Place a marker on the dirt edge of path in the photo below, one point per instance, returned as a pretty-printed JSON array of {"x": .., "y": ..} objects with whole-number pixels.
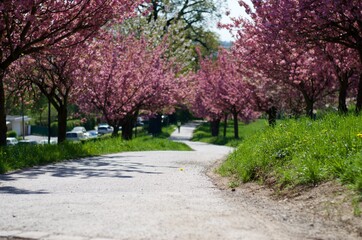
[{"x": 324, "y": 211}]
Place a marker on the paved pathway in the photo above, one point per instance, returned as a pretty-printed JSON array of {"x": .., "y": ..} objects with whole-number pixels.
[{"x": 133, "y": 195}]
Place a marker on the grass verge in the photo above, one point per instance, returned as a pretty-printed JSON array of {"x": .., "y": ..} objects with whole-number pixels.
[
  {"x": 20, "y": 157},
  {"x": 301, "y": 152},
  {"x": 203, "y": 133}
]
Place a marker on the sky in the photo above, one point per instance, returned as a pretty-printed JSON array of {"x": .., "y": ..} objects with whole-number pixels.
[{"x": 235, "y": 10}]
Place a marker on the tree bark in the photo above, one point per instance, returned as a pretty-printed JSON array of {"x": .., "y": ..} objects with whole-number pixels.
[
  {"x": 359, "y": 96},
  {"x": 3, "y": 128},
  {"x": 155, "y": 125},
  {"x": 272, "y": 116},
  {"x": 236, "y": 125},
  {"x": 309, "y": 109},
  {"x": 309, "y": 105},
  {"x": 127, "y": 129},
  {"x": 225, "y": 124},
  {"x": 342, "y": 94},
  {"x": 62, "y": 122},
  {"x": 115, "y": 131},
  {"x": 49, "y": 122},
  {"x": 215, "y": 126},
  {"x": 359, "y": 93}
]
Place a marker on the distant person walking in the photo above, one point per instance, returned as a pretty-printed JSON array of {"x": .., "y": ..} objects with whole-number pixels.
[{"x": 178, "y": 126}]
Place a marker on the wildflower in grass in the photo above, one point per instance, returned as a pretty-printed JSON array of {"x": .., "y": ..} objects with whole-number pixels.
[{"x": 359, "y": 135}]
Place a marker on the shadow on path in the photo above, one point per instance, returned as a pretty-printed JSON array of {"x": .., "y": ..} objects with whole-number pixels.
[
  {"x": 122, "y": 166},
  {"x": 13, "y": 190},
  {"x": 95, "y": 167}
]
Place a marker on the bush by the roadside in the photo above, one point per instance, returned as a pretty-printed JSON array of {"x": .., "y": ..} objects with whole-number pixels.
[
  {"x": 11, "y": 134},
  {"x": 301, "y": 152},
  {"x": 19, "y": 157}
]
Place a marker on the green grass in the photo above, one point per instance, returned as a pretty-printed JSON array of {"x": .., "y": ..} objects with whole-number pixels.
[
  {"x": 301, "y": 152},
  {"x": 203, "y": 133},
  {"x": 20, "y": 157}
]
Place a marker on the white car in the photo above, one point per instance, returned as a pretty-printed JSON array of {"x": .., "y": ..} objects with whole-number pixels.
[
  {"x": 83, "y": 130},
  {"x": 92, "y": 134},
  {"x": 79, "y": 129},
  {"x": 45, "y": 141},
  {"x": 103, "y": 129},
  {"x": 74, "y": 136},
  {"x": 11, "y": 141}
]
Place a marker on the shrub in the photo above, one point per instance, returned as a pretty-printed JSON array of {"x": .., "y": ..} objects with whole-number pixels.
[
  {"x": 11, "y": 134},
  {"x": 70, "y": 125}
]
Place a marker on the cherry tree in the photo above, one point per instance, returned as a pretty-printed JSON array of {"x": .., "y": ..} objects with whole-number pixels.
[
  {"x": 32, "y": 26},
  {"x": 201, "y": 99},
  {"x": 54, "y": 74},
  {"x": 249, "y": 50},
  {"x": 307, "y": 71},
  {"x": 346, "y": 67},
  {"x": 284, "y": 59},
  {"x": 336, "y": 23},
  {"x": 125, "y": 75},
  {"x": 225, "y": 90}
]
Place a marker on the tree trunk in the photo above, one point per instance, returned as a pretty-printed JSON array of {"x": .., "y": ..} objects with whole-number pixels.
[
  {"x": 309, "y": 109},
  {"x": 359, "y": 95},
  {"x": 236, "y": 125},
  {"x": 115, "y": 131},
  {"x": 3, "y": 128},
  {"x": 225, "y": 124},
  {"x": 62, "y": 122},
  {"x": 342, "y": 95},
  {"x": 215, "y": 126},
  {"x": 49, "y": 123},
  {"x": 309, "y": 105},
  {"x": 127, "y": 129},
  {"x": 272, "y": 116},
  {"x": 155, "y": 125}
]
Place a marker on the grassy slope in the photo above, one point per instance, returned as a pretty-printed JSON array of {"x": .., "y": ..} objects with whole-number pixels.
[
  {"x": 19, "y": 157},
  {"x": 301, "y": 152},
  {"x": 202, "y": 133}
]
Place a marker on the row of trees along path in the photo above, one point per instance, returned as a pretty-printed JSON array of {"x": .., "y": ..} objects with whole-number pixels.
[
  {"x": 304, "y": 49},
  {"x": 28, "y": 27},
  {"x": 92, "y": 52},
  {"x": 291, "y": 56}
]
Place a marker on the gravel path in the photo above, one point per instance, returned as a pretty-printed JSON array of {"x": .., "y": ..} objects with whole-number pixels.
[{"x": 133, "y": 195}]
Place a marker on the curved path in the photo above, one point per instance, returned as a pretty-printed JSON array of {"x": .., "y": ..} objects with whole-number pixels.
[{"x": 132, "y": 195}]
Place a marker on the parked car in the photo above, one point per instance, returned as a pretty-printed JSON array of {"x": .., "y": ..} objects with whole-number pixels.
[
  {"x": 11, "y": 141},
  {"x": 79, "y": 129},
  {"x": 139, "y": 122},
  {"x": 104, "y": 128},
  {"x": 27, "y": 142},
  {"x": 45, "y": 141},
  {"x": 92, "y": 134},
  {"x": 74, "y": 136}
]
